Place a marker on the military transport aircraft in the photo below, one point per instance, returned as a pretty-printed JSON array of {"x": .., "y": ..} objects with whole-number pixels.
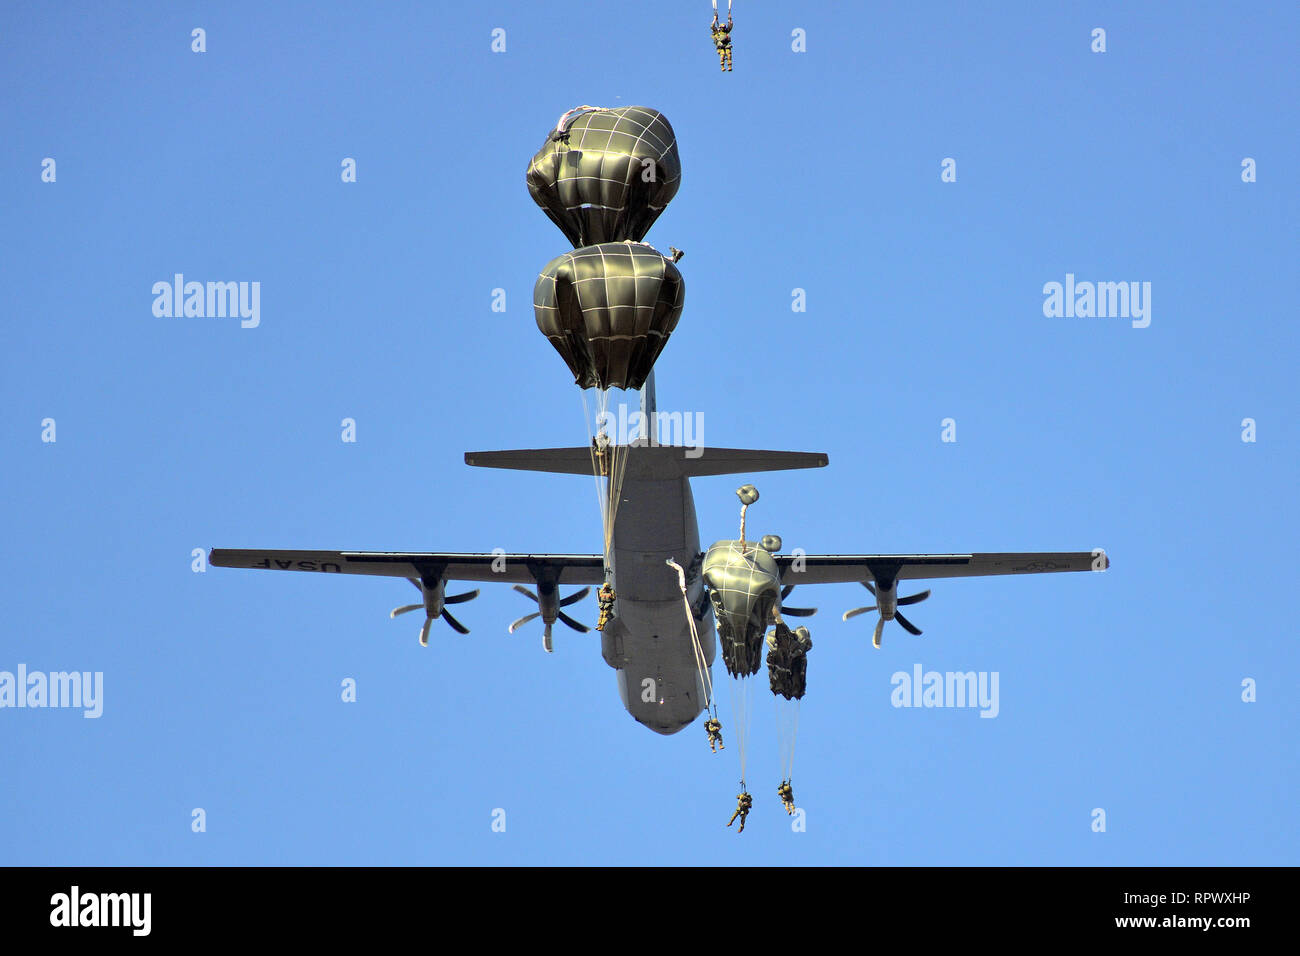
[{"x": 649, "y": 635}]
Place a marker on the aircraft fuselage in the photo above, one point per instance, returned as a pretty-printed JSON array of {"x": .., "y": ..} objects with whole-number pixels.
[{"x": 648, "y": 641}]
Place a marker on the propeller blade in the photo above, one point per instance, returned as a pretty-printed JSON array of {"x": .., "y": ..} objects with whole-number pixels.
[
  {"x": 418, "y": 586},
  {"x": 461, "y": 598},
  {"x": 456, "y": 626},
  {"x": 575, "y": 597},
  {"x": 798, "y": 611},
  {"x": 785, "y": 591},
  {"x": 880, "y": 626},
  {"x": 856, "y": 611},
  {"x": 424, "y": 632},
  {"x": 523, "y": 620},
  {"x": 404, "y": 609},
  {"x": 908, "y": 625},
  {"x": 582, "y": 628},
  {"x": 914, "y": 599},
  {"x": 868, "y": 586},
  {"x": 546, "y": 637}
]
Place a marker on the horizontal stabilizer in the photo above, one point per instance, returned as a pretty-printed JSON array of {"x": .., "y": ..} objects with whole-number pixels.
[{"x": 650, "y": 461}]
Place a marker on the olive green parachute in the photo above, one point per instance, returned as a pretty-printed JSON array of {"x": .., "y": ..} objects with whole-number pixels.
[
  {"x": 608, "y": 310},
  {"x": 605, "y": 175},
  {"x": 787, "y": 660},
  {"x": 744, "y": 586}
]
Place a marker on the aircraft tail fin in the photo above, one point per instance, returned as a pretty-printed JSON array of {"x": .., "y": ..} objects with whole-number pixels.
[{"x": 651, "y": 461}]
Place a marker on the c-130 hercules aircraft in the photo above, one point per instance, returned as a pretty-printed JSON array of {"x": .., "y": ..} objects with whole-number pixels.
[
  {"x": 649, "y": 634},
  {"x": 608, "y": 307}
]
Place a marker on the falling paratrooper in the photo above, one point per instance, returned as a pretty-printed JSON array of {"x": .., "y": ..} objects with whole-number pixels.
[{"x": 721, "y": 34}]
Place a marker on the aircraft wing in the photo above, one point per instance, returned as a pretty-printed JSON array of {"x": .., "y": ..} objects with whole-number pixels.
[
  {"x": 847, "y": 568},
  {"x": 506, "y": 568}
]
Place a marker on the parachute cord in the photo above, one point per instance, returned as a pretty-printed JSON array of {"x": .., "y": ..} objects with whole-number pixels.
[
  {"x": 608, "y": 491},
  {"x": 740, "y": 734},
  {"x": 780, "y": 734},
  {"x": 794, "y": 738},
  {"x": 740, "y": 712},
  {"x": 611, "y": 450},
  {"x": 787, "y": 723},
  {"x": 595, "y": 470},
  {"x": 618, "y": 467},
  {"x": 748, "y": 716},
  {"x": 701, "y": 664},
  {"x": 616, "y": 462}
]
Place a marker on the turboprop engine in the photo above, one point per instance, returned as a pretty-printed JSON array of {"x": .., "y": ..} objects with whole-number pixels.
[{"x": 434, "y": 593}]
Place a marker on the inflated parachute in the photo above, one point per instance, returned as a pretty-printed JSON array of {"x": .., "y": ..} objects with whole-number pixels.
[
  {"x": 744, "y": 586},
  {"x": 605, "y": 175},
  {"x": 608, "y": 310}
]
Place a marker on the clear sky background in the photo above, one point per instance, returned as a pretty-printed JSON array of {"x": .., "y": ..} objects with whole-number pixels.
[{"x": 817, "y": 170}]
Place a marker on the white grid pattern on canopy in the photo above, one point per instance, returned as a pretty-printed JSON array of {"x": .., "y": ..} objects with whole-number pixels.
[
  {"x": 741, "y": 578},
  {"x": 590, "y": 177},
  {"x": 609, "y": 310}
]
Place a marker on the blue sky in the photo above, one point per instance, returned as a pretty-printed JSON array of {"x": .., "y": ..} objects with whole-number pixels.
[{"x": 817, "y": 170}]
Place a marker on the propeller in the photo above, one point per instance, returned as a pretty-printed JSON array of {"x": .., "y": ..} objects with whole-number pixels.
[
  {"x": 794, "y": 611},
  {"x": 888, "y": 606},
  {"x": 548, "y": 609},
  {"x": 434, "y": 605}
]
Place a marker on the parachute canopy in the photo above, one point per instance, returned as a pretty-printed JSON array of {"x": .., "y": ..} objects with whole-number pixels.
[
  {"x": 605, "y": 175},
  {"x": 787, "y": 660},
  {"x": 608, "y": 310},
  {"x": 744, "y": 586}
]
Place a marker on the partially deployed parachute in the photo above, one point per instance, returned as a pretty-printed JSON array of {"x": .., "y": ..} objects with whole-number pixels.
[
  {"x": 744, "y": 586},
  {"x": 608, "y": 310},
  {"x": 787, "y": 660},
  {"x": 605, "y": 175}
]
